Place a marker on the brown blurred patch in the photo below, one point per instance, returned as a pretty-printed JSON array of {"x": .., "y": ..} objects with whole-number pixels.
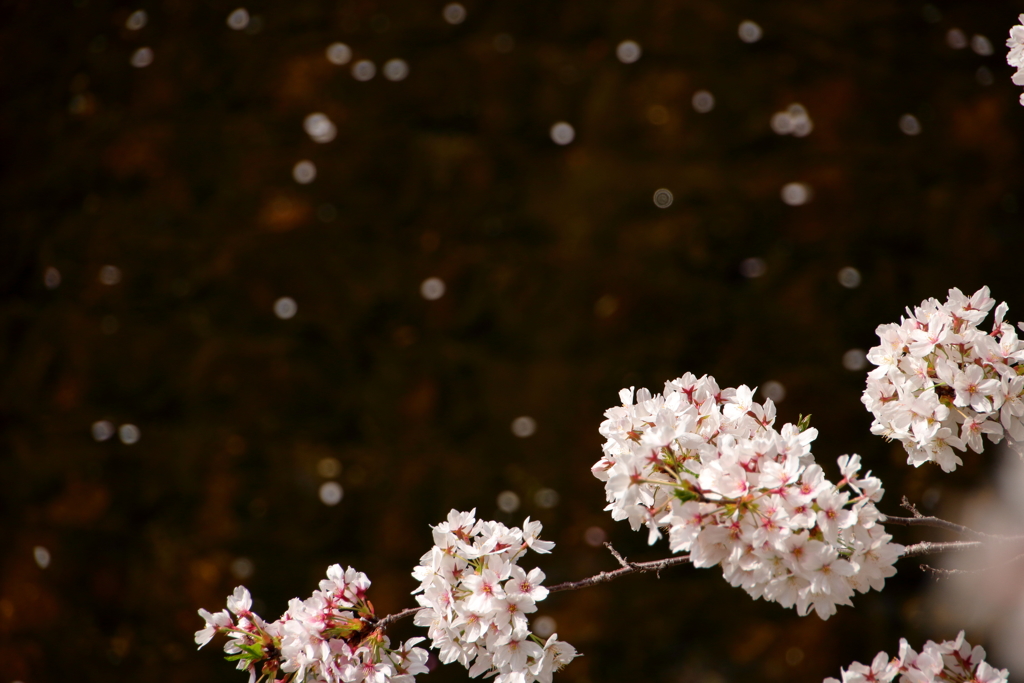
[
  {"x": 419, "y": 402},
  {"x": 282, "y": 212},
  {"x": 980, "y": 124},
  {"x": 81, "y": 504},
  {"x": 138, "y": 151},
  {"x": 449, "y": 154},
  {"x": 28, "y": 602},
  {"x": 302, "y": 79},
  {"x": 216, "y": 519},
  {"x": 753, "y": 641},
  {"x": 107, "y": 582}
]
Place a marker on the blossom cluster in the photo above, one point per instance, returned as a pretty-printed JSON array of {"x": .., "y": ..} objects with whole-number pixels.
[
  {"x": 943, "y": 384},
  {"x": 708, "y": 464},
  {"x": 951, "y": 660},
  {"x": 327, "y": 638},
  {"x": 1016, "y": 55},
  {"x": 475, "y": 599}
]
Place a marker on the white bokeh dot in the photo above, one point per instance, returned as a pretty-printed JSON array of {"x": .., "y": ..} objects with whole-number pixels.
[
  {"x": 562, "y": 133},
  {"x": 663, "y": 198},
  {"x": 594, "y": 536},
  {"x": 331, "y": 493},
  {"x": 454, "y": 13},
  {"x": 136, "y": 20},
  {"x": 544, "y": 626},
  {"x": 304, "y": 172},
  {"x": 703, "y": 101},
  {"x": 546, "y": 498},
  {"x": 628, "y": 51},
  {"x": 774, "y": 390},
  {"x": 855, "y": 359},
  {"x": 142, "y": 58},
  {"x": 753, "y": 267},
  {"x": 956, "y": 39},
  {"x": 794, "y": 121},
  {"x": 508, "y": 501},
  {"x": 319, "y": 127},
  {"x": 110, "y": 275},
  {"x": 750, "y": 31},
  {"x": 51, "y": 278},
  {"x": 285, "y": 308},
  {"x": 396, "y": 69},
  {"x": 129, "y": 434},
  {"x": 796, "y": 194},
  {"x": 802, "y": 127},
  {"x": 524, "y": 426},
  {"x": 432, "y": 288},
  {"x": 781, "y": 123},
  {"x": 981, "y": 45},
  {"x": 42, "y": 556},
  {"x": 364, "y": 70},
  {"x": 909, "y": 125},
  {"x": 339, "y": 54},
  {"x": 102, "y": 430},
  {"x": 238, "y": 19},
  {"x": 242, "y": 568},
  {"x": 849, "y": 277}
]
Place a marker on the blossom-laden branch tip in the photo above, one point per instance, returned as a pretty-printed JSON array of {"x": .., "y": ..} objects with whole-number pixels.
[
  {"x": 1016, "y": 55},
  {"x": 924, "y": 520},
  {"x": 327, "y": 638},
  {"x": 475, "y": 599},
  {"x": 708, "y": 465},
  {"x": 943, "y": 385},
  {"x": 625, "y": 569},
  {"x": 952, "y": 661}
]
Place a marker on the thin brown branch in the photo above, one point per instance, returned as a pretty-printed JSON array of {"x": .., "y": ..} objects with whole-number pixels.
[
  {"x": 907, "y": 505},
  {"x": 615, "y": 553},
  {"x": 383, "y": 623},
  {"x": 626, "y": 569},
  {"x": 929, "y": 548},
  {"x": 946, "y": 573},
  {"x": 921, "y": 520}
]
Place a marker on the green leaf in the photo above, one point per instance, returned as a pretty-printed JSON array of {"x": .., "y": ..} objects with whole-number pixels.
[
  {"x": 254, "y": 650},
  {"x": 685, "y": 495}
]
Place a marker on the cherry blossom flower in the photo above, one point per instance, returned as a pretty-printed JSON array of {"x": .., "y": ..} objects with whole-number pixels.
[
  {"x": 322, "y": 639},
  {"x": 708, "y": 465},
  {"x": 943, "y": 385},
  {"x": 1016, "y": 55},
  {"x": 475, "y": 610},
  {"x": 951, "y": 660}
]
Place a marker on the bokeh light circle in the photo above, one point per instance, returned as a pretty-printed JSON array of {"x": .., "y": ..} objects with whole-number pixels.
[
  {"x": 562, "y": 133},
  {"x": 628, "y": 51},
  {"x": 663, "y": 198}
]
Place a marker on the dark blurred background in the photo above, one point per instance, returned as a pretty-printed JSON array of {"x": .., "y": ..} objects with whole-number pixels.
[{"x": 224, "y": 366}]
